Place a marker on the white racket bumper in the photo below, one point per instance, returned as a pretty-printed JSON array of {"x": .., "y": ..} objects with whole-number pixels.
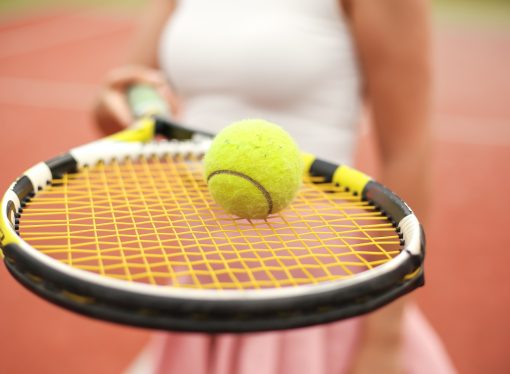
[
  {"x": 411, "y": 231},
  {"x": 39, "y": 175}
]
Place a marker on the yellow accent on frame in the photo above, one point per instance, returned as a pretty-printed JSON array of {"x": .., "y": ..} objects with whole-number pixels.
[
  {"x": 351, "y": 178},
  {"x": 413, "y": 274},
  {"x": 142, "y": 131},
  {"x": 308, "y": 160},
  {"x": 7, "y": 236}
]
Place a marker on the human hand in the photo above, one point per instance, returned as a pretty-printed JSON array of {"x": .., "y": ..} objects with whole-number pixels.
[
  {"x": 380, "y": 343},
  {"x": 372, "y": 358},
  {"x": 112, "y": 112}
]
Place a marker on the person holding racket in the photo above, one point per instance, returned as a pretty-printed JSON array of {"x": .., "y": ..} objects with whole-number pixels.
[{"x": 309, "y": 66}]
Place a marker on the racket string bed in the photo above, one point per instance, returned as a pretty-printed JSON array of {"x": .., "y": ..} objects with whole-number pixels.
[
  {"x": 123, "y": 229},
  {"x": 151, "y": 220}
]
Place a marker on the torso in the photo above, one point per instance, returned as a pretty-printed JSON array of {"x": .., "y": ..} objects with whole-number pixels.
[{"x": 287, "y": 61}]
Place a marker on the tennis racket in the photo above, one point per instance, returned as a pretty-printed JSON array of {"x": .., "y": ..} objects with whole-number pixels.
[{"x": 123, "y": 229}]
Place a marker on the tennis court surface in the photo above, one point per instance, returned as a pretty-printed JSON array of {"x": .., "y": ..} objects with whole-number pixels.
[{"x": 50, "y": 67}]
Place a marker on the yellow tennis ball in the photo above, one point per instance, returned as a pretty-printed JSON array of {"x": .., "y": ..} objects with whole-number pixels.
[{"x": 253, "y": 168}]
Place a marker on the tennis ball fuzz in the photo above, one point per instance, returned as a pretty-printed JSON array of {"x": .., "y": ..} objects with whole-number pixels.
[{"x": 253, "y": 168}]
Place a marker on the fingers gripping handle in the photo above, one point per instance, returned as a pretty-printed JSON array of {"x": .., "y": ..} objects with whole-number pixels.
[{"x": 145, "y": 101}]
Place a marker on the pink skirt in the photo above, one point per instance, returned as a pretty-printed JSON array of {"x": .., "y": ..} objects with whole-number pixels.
[{"x": 319, "y": 350}]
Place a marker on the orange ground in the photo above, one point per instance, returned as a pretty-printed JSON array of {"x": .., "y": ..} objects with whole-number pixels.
[{"x": 50, "y": 66}]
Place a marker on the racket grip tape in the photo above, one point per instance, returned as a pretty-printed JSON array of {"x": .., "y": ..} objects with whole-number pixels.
[{"x": 144, "y": 100}]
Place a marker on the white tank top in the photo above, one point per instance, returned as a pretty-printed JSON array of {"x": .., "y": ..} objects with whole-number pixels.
[{"x": 291, "y": 62}]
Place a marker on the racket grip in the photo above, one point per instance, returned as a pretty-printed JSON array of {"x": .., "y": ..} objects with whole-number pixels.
[{"x": 144, "y": 100}]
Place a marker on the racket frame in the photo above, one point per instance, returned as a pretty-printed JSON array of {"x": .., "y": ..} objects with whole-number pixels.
[{"x": 196, "y": 309}]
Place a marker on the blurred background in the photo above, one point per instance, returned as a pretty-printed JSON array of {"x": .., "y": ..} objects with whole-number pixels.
[{"x": 55, "y": 53}]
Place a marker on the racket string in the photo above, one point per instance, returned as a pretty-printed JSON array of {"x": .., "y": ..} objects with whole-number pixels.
[{"x": 152, "y": 220}]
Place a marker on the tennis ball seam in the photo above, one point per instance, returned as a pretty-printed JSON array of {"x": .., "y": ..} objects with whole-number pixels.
[{"x": 259, "y": 186}]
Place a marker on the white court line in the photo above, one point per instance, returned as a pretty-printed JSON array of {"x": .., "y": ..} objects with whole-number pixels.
[
  {"x": 449, "y": 128},
  {"x": 47, "y": 94}
]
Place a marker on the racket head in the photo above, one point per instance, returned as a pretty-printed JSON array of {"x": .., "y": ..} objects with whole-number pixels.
[{"x": 236, "y": 305}]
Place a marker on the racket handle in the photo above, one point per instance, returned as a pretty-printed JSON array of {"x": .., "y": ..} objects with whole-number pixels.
[{"x": 144, "y": 100}]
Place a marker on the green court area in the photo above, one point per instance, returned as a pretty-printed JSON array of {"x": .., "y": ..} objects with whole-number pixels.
[
  {"x": 14, "y": 7},
  {"x": 496, "y": 12},
  {"x": 484, "y": 12}
]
